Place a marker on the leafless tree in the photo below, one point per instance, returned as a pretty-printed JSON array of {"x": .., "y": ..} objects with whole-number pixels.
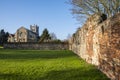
[
  {"x": 53, "y": 36},
  {"x": 88, "y": 7}
]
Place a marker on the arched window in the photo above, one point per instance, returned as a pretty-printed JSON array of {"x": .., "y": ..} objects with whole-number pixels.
[{"x": 20, "y": 34}]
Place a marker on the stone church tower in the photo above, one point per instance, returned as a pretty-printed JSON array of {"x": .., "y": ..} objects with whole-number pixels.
[{"x": 35, "y": 28}]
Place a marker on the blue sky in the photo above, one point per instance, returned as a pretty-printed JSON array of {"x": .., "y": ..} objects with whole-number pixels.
[{"x": 51, "y": 14}]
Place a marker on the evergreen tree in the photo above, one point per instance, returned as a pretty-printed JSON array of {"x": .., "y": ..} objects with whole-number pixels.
[
  {"x": 45, "y": 37},
  {"x": 3, "y": 37}
]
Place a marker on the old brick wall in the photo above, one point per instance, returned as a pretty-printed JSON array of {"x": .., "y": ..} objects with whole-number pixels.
[
  {"x": 98, "y": 43},
  {"x": 38, "y": 46}
]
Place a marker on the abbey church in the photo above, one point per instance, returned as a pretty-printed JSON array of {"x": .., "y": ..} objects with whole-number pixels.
[{"x": 25, "y": 35}]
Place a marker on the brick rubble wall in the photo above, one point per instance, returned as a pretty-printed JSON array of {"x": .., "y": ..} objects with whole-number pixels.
[{"x": 99, "y": 43}]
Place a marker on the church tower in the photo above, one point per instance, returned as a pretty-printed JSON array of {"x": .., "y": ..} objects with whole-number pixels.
[{"x": 35, "y": 29}]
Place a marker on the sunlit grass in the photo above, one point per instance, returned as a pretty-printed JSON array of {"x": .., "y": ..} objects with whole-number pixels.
[
  {"x": 45, "y": 65},
  {"x": 1, "y": 47}
]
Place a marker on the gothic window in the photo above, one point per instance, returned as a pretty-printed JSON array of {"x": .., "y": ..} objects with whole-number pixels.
[
  {"x": 20, "y": 34},
  {"x": 33, "y": 29}
]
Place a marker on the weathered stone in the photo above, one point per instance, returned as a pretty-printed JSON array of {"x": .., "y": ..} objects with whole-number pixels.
[
  {"x": 39, "y": 46},
  {"x": 99, "y": 44}
]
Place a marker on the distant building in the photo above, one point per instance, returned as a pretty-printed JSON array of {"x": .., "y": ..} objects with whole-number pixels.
[
  {"x": 25, "y": 35},
  {"x": 11, "y": 38}
]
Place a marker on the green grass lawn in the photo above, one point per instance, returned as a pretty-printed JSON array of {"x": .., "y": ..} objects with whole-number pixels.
[
  {"x": 1, "y": 47},
  {"x": 45, "y": 65}
]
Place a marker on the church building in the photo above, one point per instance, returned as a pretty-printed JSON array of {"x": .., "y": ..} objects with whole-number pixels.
[{"x": 25, "y": 35}]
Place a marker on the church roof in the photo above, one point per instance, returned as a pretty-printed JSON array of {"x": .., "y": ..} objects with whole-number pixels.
[{"x": 26, "y": 29}]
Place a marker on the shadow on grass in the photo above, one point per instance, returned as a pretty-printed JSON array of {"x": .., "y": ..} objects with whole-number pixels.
[
  {"x": 71, "y": 74},
  {"x": 10, "y": 76},
  {"x": 32, "y": 54},
  {"x": 75, "y": 74}
]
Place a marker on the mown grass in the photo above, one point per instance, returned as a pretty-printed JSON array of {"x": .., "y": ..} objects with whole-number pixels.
[
  {"x": 1, "y": 47},
  {"x": 45, "y": 65}
]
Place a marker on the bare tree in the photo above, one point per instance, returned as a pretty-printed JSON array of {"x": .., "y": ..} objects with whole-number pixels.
[
  {"x": 53, "y": 36},
  {"x": 88, "y": 7},
  {"x": 69, "y": 36}
]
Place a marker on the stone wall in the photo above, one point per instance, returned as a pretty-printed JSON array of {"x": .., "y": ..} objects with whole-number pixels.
[
  {"x": 38, "y": 46},
  {"x": 98, "y": 42}
]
